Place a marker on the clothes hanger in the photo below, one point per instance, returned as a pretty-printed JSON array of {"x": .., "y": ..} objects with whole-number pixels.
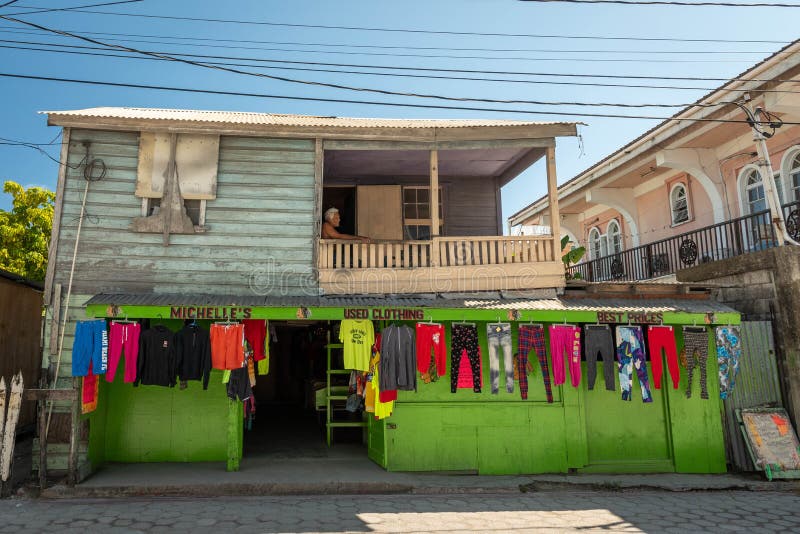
[
  {"x": 226, "y": 323},
  {"x": 124, "y": 321},
  {"x": 463, "y": 322}
]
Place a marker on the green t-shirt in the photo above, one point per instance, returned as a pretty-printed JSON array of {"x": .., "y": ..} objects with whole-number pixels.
[{"x": 358, "y": 337}]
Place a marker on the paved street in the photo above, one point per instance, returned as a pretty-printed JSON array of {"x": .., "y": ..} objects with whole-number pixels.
[{"x": 561, "y": 511}]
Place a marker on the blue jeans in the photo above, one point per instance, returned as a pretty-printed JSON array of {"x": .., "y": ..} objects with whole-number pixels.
[{"x": 499, "y": 335}]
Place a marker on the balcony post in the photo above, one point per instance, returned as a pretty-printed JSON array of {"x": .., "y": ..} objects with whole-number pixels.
[
  {"x": 552, "y": 192},
  {"x": 434, "y": 207}
]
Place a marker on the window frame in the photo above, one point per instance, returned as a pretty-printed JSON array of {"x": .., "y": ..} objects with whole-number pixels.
[
  {"x": 672, "y": 201},
  {"x": 609, "y": 236},
  {"x": 745, "y": 188},
  {"x": 421, "y": 222},
  {"x": 790, "y": 172},
  {"x": 598, "y": 239}
]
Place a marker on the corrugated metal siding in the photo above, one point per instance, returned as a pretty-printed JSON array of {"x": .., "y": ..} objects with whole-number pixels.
[
  {"x": 471, "y": 208},
  {"x": 756, "y": 385},
  {"x": 260, "y": 233}
]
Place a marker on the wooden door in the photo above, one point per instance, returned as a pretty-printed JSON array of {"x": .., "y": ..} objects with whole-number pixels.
[{"x": 380, "y": 211}]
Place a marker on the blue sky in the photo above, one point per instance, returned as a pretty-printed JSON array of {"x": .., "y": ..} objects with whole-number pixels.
[{"x": 21, "y": 99}]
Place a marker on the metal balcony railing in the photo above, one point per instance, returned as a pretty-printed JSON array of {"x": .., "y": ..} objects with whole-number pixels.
[{"x": 735, "y": 237}]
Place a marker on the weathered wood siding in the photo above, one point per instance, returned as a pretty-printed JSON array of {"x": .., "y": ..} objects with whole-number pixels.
[
  {"x": 20, "y": 331},
  {"x": 471, "y": 207},
  {"x": 260, "y": 234}
]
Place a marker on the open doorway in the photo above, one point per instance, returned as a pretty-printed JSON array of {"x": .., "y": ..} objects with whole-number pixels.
[
  {"x": 344, "y": 199},
  {"x": 290, "y": 417}
]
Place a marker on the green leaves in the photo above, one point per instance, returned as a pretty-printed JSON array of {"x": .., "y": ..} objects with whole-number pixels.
[
  {"x": 25, "y": 230},
  {"x": 571, "y": 256}
]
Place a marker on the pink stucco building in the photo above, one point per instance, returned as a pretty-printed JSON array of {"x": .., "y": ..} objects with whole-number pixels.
[{"x": 691, "y": 190}]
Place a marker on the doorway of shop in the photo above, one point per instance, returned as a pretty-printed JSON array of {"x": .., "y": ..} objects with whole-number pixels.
[{"x": 291, "y": 400}]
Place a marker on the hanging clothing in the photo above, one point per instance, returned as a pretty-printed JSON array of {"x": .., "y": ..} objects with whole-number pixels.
[
  {"x": 531, "y": 337},
  {"x": 90, "y": 389},
  {"x": 398, "y": 364},
  {"x": 430, "y": 337},
  {"x": 227, "y": 346},
  {"x": 239, "y": 385},
  {"x": 465, "y": 341},
  {"x": 156, "y": 362},
  {"x": 728, "y": 353},
  {"x": 522, "y": 366},
  {"x": 598, "y": 340},
  {"x": 465, "y": 376},
  {"x": 663, "y": 338},
  {"x": 630, "y": 354},
  {"x": 193, "y": 354},
  {"x": 381, "y": 409},
  {"x": 123, "y": 337},
  {"x": 565, "y": 339},
  {"x": 262, "y": 366},
  {"x": 90, "y": 345},
  {"x": 498, "y": 336},
  {"x": 255, "y": 332},
  {"x": 695, "y": 342},
  {"x": 357, "y": 337}
]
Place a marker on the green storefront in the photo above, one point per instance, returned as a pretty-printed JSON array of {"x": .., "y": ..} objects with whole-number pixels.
[{"x": 433, "y": 429}]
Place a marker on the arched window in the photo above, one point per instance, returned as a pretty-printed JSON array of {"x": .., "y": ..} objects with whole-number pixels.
[
  {"x": 753, "y": 199},
  {"x": 595, "y": 243},
  {"x": 679, "y": 204},
  {"x": 614, "y": 237},
  {"x": 792, "y": 173}
]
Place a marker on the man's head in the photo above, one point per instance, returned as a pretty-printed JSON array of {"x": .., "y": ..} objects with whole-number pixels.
[{"x": 332, "y": 216}]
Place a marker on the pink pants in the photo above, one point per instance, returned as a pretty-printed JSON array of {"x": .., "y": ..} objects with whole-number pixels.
[
  {"x": 123, "y": 336},
  {"x": 565, "y": 339}
]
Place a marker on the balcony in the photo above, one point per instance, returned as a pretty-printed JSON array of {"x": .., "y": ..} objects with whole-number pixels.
[
  {"x": 439, "y": 265},
  {"x": 742, "y": 235}
]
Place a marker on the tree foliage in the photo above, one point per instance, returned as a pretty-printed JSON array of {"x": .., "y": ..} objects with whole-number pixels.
[{"x": 25, "y": 230}]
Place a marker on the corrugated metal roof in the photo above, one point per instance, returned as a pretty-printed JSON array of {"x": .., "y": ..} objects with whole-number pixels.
[
  {"x": 273, "y": 119},
  {"x": 545, "y": 304}
]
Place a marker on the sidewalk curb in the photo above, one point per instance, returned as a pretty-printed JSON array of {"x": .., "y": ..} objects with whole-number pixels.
[{"x": 378, "y": 488}]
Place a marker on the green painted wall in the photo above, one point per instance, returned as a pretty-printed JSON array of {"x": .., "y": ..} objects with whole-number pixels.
[
  {"x": 161, "y": 424},
  {"x": 435, "y": 430}
]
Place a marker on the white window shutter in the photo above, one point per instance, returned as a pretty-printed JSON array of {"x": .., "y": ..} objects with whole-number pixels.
[{"x": 197, "y": 158}]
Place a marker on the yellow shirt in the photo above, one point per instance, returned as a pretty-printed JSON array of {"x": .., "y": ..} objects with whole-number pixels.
[{"x": 357, "y": 337}]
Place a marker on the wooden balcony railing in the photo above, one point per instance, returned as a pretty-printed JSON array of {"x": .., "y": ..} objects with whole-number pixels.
[
  {"x": 735, "y": 237},
  {"x": 442, "y": 264}
]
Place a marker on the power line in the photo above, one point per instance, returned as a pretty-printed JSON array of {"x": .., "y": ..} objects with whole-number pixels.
[
  {"x": 371, "y": 103},
  {"x": 51, "y": 9},
  {"x": 10, "y": 29},
  {"x": 430, "y": 32},
  {"x": 450, "y": 56},
  {"x": 428, "y": 69},
  {"x": 284, "y": 78},
  {"x": 662, "y": 3},
  {"x": 384, "y": 74}
]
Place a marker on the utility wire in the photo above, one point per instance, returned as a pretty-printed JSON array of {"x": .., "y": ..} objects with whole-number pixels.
[
  {"x": 293, "y": 80},
  {"x": 373, "y": 103},
  {"x": 392, "y": 75},
  {"x": 11, "y": 29},
  {"x": 428, "y": 69},
  {"x": 449, "y": 56},
  {"x": 51, "y": 9},
  {"x": 284, "y": 78},
  {"x": 661, "y": 3},
  {"x": 8, "y": 3},
  {"x": 430, "y": 32}
]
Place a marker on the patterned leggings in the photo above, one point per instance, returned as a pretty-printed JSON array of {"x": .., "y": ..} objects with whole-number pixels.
[
  {"x": 729, "y": 350},
  {"x": 695, "y": 341},
  {"x": 465, "y": 337},
  {"x": 531, "y": 337}
]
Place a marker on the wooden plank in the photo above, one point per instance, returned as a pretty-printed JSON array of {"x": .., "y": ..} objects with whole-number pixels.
[
  {"x": 72, "y": 468},
  {"x": 434, "y": 192},
  {"x": 319, "y": 160},
  {"x": 446, "y": 145},
  {"x": 424, "y": 255},
  {"x": 42, "y": 432},
  {"x": 373, "y": 255},
  {"x": 552, "y": 194},
  {"x": 55, "y": 317},
  {"x": 10, "y": 432},
  {"x": 49, "y": 394},
  {"x": 56, "y": 227},
  {"x": 380, "y": 211},
  {"x": 396, "y": 255}
]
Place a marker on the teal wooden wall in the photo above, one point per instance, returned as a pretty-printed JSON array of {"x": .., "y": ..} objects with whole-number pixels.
[{"x": 261, "y": 225}]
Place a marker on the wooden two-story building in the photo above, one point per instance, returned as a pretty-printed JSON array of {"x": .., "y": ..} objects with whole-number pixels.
[{"x": 161, "y": 213}]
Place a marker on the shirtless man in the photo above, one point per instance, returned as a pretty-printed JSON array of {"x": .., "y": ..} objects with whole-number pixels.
[{"x": 332, "y": 220}]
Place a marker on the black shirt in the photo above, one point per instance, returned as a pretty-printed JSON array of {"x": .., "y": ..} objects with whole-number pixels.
[
  {"x": 193, "y": 354},
  {"x": 156, "y": 365}
]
